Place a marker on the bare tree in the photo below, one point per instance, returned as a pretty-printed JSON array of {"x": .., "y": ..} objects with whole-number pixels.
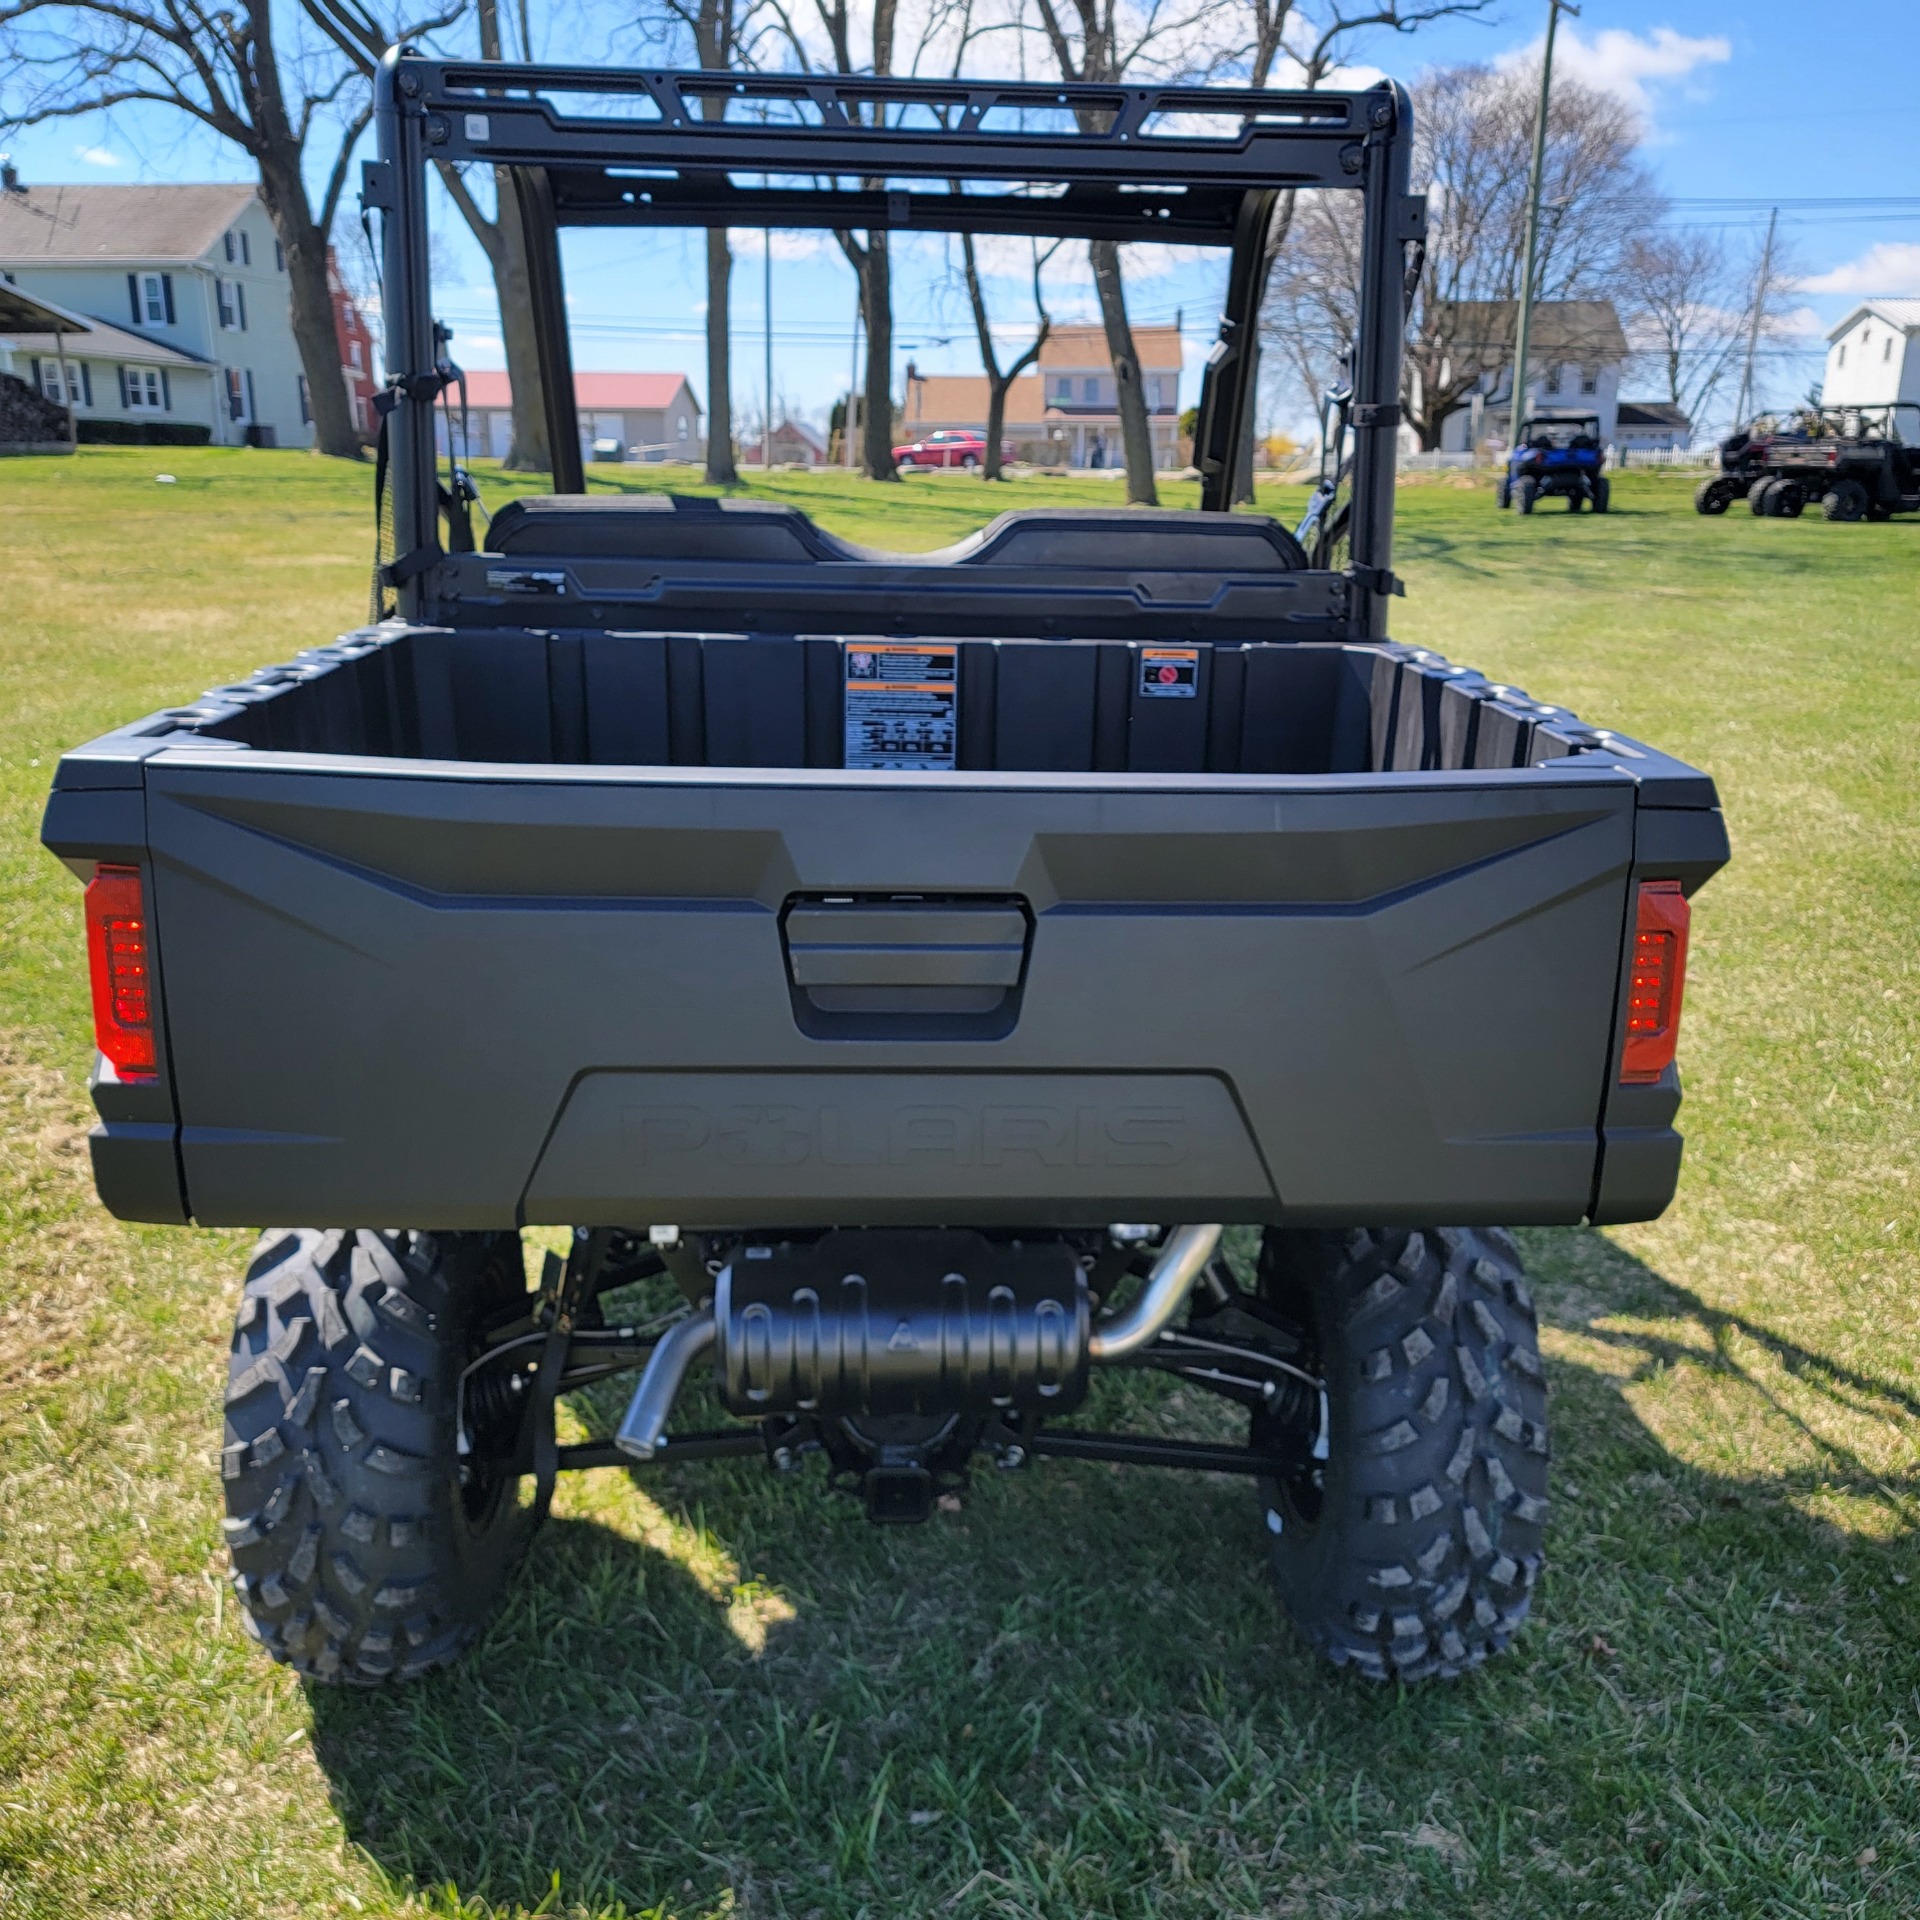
[
  {"x": 1473, "y": 130},
  {"x": 717, "y": 32},
  {"x": 998, "y": 381},
  {"x": 362, "y": 40},
  {"x": 225, "y": 67},
  {"x": 1684, "y": 315},
  {"x": 1304, "y": 43},
  {"x": 869, "y": 258},
  {"x": 1095, "y": 42}
]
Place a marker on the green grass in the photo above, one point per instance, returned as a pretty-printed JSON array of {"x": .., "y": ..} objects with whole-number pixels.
[{"x": 713, "y": 1693}]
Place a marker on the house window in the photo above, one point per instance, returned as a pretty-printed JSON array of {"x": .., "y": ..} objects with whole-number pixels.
[
  {"x": 306, "y": 397},
  {"x": 1589, "y": 379},
  {"x": 236, "y": 395},
  {"x": 1886, "y": 350},
  {"x": 153, "y": 299},
  {"x": 226, "y": 241},
  {"x": 145, "y": 389},
  {"x": 50, "y": 383},
  {"x": 1843, "y": 355},
  {"x": 680, "y": 426},
  {"x": 1090, "y": 391},
  {"x": 353, "y": 354},
  {"x": 223, "y": 292},
  {"x": 1552, "y": 381},
  {"x": 1062, "y": 387}
]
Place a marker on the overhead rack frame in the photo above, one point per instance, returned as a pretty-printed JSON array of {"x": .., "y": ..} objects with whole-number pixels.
[{"x": 605, "y": 147}]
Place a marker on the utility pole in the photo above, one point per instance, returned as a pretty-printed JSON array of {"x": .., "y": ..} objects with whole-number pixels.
[
  {"x": 1524, "y": 323},
  {"x": 1743, "y": 412},
  {"x": 766, "y": 304},
  {"x": 853, "y": 382}
]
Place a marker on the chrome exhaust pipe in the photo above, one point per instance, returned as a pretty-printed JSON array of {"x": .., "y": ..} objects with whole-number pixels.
[
  {"x": 1178, "y": 1265},
  {"x": 643, "y": 1432}
]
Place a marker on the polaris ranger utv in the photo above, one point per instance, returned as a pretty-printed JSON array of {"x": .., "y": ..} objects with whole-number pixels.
[
  {"x": 909, "y": 963},
  {"x": 1558, "y": 454},
  {"x": 1859, "y": 463}
]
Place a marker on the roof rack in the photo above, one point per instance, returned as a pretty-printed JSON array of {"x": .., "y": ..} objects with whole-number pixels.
[{"x": 601, "y": 147}]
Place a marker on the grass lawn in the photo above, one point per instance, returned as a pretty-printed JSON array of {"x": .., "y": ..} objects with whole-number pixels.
[{"x": 714, "y": 1694}]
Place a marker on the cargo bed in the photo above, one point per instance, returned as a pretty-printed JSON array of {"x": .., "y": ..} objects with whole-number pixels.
[{"x": 591, "y": 926}]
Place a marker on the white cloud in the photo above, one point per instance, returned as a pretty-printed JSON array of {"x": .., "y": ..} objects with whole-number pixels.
[
  {"x": 1628, "y": 65},
  {"x": 1889, "y": 267},
  {"x": 750, "y": 243},
  {"x": 98, "y": 156}
]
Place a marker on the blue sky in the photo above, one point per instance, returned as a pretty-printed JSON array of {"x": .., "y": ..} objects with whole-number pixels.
[{"x": 1774, "y": 101}]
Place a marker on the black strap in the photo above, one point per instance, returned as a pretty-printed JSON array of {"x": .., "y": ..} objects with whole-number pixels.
[{"x": 377, "y": 609}]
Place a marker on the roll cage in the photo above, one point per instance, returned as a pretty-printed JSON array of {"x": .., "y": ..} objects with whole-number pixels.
[{"x": 597, "y": 147}]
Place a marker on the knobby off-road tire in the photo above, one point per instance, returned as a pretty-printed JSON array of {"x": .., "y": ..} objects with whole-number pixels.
[
  {"x": 1847, "y": 501},
  {"x": 1416, "y": 1552},
  {"x": 363, "y": 1547},
  {"x": 1602, "y": 494},
  {"x": 1502, "y": 494},
  {"x": 1525, "y": 492},
  {"x": 1714, "y": 495},
  {"x": 1758, "y": 495}
]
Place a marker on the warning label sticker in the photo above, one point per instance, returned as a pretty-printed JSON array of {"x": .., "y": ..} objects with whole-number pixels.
[
  {"x": 901, "y": 704},
  {"x": 1169, "y": 673}
]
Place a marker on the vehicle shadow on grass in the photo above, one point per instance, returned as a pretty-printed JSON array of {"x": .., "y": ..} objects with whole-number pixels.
[{"x": 717, "y": 1691}]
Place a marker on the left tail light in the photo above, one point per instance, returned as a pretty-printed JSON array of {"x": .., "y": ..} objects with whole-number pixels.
[
  {"x": 120, "y": 964},
  {"x": 1658, "y": 980}
]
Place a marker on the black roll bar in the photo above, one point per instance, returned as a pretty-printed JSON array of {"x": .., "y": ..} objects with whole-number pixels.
[{"x": 630, "y": 147}]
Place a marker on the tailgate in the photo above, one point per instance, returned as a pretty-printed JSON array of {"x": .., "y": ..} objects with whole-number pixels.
[{"x": 459, "y": 996}]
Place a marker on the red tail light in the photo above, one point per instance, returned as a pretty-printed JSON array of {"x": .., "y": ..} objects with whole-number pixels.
[
  {"x": 119, "y": 956},
  {"x": 1659, "y": 978}
]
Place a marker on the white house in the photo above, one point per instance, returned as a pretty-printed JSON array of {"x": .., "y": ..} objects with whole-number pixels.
[
  {"x": 1651, "y": 426},
  {"x": 102, "y": 373},
  {"x": 1873, "y": 358},
  {"x": 1576, "y": 352},
  {"x": 187, "y": 291}
]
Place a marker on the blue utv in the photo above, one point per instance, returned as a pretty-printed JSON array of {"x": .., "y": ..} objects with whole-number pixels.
[{"x": 1557, "y": 454}]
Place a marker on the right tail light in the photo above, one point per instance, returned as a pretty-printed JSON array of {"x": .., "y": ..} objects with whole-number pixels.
[{"x": 1658, "y": 980}]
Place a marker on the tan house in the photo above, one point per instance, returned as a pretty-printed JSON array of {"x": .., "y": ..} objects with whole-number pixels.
[
  {"x": 646, "y": 416},
  {"x": 1063, "y": 412}
]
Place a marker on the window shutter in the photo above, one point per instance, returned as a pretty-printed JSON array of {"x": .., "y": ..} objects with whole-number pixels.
[
  {"x": 122, "y": 372},
  {"x": 240, "y": 304},
  {"x": 166, "y": 294},
  {"x": 133, "y": 296},
  {"x": 279, "y": 257},
  {"x": 246, "y": 252},
  {"x": 86, "y": 382},
  {"x": 166, "y": 391},
  {"x": 252, "y": 411}
]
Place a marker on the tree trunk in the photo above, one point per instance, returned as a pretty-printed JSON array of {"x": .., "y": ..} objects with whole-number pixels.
[
  {"x": 996, "y": 424},
  {"x": 527, "y": 449},
  {"x": 1136, "y": 436},
  {"x": 314, "y": 332},
  {"x": 503, "y": 240},
  {"x": 721, "y": 471},
  {"x": 876, "y": 293}
]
